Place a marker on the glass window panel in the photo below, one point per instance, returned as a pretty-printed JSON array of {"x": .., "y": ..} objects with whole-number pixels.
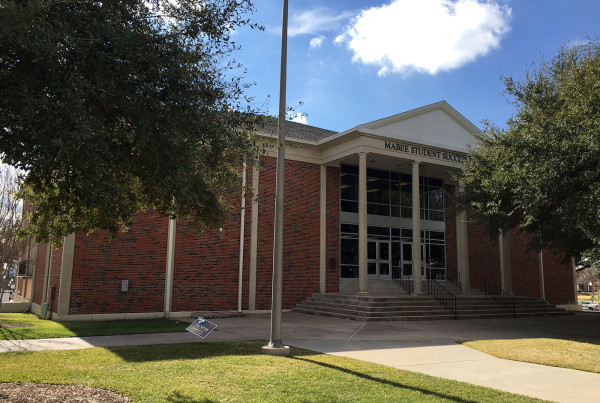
[
  {"x": 396, "y": 253},
  {"x": 436, "y": 182},
  {"x": 372, "y": 250},
  {"x": 372, "y": 268},
  {"x": 377, "y": 173},
  {"x": 350, "y": 228},
  {"x": 384, "y": 269},
  {"x": 395, "y": 232},
  {"x": 378, "y": 191},
  {"x": 406, "y": 196},
  {"x": 436, "y": 215},
  {"x": 395, "y": 211},
  {"x": 349, "y": 206},
  {"x": 378, "y": 209},
  {"x": 349, "y": 187},
  {"x": 349, "y": 251},
  {"x": 406, "y": 233},
  {"x": 395, "y": 193},
  {"x": 351, "y": 169},
  {"x": 438, "y": 273},
  {"x": 384, "y": 251},
  {"x": 406, "y": 212},
  {"x": 439, "y": 235},
  {"x": 407, "y": 252},
  {"x": 437, "y": 256},
  {"x": 407, "y": 269},
  {"x": 349, "y": 271},
  {"x": 374, "y": 230},
  {"x": 436, "y": 199}
]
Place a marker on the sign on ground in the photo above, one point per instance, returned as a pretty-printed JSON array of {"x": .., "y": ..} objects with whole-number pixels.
[{"x": 201, "y": 327}]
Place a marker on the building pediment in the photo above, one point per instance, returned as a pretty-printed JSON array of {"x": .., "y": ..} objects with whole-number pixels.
[{"x": 437, "y": 125}]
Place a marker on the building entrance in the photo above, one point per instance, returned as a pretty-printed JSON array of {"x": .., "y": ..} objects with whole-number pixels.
[{"x": 379, "y": 260}]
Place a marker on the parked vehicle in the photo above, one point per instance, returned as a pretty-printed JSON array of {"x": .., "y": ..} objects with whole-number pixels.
[{"x": 589, "y": 305}]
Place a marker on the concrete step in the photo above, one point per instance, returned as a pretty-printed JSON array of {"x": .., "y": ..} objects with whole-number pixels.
[{"x": 394, "y": 307}]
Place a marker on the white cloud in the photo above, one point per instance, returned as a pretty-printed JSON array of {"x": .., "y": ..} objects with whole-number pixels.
[
  {"x": 317, "y": 41},
  {"x": 407, "y": 36},
  {"x": 299, "y": 118},
  {"x": 315, "y": 21}
]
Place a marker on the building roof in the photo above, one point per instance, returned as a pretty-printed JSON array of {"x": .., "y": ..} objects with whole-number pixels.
[{"x": 301, "y": 131}]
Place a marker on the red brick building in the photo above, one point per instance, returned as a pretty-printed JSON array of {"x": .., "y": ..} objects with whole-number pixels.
[{"x": 349, "y": 219}]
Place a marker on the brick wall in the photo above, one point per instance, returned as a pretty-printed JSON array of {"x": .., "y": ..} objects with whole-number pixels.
[
  {"x": 54, "y": 280},
  {"x": 99, "y": 266},
  {"x": 333, "y": 229},
  {"x": 301, "y": 232},
  {"x": 40, "y": 267},
  {"x": 206, "y": 266},
  {"x": 558, "y": 275},
  {"x": 484, "y": 258}
]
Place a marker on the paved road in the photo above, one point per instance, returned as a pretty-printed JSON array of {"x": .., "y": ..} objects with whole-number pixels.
[{"x": 428, "y": 347}]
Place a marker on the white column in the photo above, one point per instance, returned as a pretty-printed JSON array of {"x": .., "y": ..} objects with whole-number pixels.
[
  {"x": 462, "y": 246},
  {"x": 575, "y": 295},
  {"x": 253, "y": 242},
  {"x": 170, "y": 264},
  {"x": 416, "y": 221},
  {"x": 541, "y": 266},
  {"x": 66, "y": 276},
  {"x": 242, "y": 234},
  {"x": 505, "y": 265},
  {"x": 323, "y": 234},
  {"x": 363, "y": 281}
]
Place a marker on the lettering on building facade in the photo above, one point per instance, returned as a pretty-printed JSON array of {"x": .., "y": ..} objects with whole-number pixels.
[{"x": 424, "y": 152}]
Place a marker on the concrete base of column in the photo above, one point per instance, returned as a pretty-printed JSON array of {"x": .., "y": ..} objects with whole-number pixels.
[{"x": 272, "y": 350}]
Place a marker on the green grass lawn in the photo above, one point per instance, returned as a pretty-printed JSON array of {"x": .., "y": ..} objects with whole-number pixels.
[
  {"x": 42, "y": 329},
  {"x": 208, "y": 372},
  {"x": 581, "y": 354}
]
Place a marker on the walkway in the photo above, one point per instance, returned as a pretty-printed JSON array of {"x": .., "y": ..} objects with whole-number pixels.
[{"x": 426, "y": 347}]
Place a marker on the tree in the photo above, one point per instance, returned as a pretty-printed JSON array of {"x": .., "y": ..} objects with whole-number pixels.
[
  {"x": 542, "y": 173},
  {"x": 11, "y": 220},
  {"x": 115, "y": 106}
]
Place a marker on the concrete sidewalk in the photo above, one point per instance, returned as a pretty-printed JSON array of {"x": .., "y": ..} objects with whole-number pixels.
[{"x": 427, "y": 347}]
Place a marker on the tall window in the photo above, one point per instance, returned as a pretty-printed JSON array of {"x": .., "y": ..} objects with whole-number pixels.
[
  {"x": 390, "y": 194},
  {"x": 432, "y": 244}
]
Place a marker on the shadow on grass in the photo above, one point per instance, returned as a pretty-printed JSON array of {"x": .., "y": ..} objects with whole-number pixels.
[
  {"x": 8, "y": 334},
  {"x": 188, "y": 351},
  {"x": 387, "y": 382},
  {"x": 34, "y": 328}
]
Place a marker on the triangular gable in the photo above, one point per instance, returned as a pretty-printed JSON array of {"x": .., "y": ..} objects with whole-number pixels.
[{"x": 437, "y": 125}]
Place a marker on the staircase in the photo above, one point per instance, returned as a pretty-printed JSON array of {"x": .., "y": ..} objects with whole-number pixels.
[
  {"x": 373, "y": 307},
  {"x": 399, "y": 306}
]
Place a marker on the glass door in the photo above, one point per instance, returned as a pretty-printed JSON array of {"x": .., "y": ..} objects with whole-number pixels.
[
  {"x": 379, "y": 260},
  {"x": 407, "y": 260}
]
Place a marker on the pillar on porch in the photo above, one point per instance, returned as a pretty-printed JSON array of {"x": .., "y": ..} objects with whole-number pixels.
[
  {"x": 462, "y": 246},
  {"x": 363, "y": 282},
  {"x": 505, "y": 266},
  {"x": 416, "y": 221},
  {"x": 323, "y": 231}
]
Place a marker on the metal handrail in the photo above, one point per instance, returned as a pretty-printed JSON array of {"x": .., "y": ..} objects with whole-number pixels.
[
  {"x": 442, "y": 294},
  {"x": 403, "y": 279},
  {"x": 494, "y": 291},
  {"x": 453, "y": 275}
]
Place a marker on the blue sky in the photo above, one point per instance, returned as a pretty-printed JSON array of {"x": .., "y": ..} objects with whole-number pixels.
[{"x": 354, "y": 61}]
